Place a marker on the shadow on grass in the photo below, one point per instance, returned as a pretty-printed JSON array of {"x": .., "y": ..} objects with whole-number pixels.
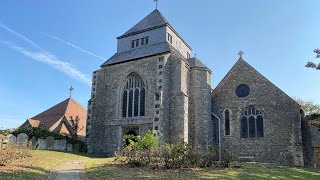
[
  {"x": 124, "y": 171},
  {"x": 252, "y": 172},
  {"x": 22, "y": 172}
]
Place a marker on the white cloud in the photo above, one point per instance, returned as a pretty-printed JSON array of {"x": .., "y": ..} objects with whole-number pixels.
[
  {"x": 20, "y": 36},
  {"x": 74, "y": 46},
  {"x": 43, "y": 56}
]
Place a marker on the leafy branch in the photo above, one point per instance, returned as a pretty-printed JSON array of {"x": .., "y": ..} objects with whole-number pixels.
[{"x": 312, "y": 64}]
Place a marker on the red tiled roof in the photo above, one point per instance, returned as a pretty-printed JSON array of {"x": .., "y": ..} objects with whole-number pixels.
[
  {"x": 67, "y": 108},
  {"x": 34, "y": 123}
]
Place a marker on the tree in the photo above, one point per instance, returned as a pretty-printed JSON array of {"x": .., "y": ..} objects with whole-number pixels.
[
  {"x": 312, "y": 64},
  {"x": 309, "y": 107},
  {"x": 75, "y": 126}
]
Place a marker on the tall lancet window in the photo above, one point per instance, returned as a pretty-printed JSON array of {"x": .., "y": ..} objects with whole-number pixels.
[
  {"x": 227, "y": 122},
  {"x": 251, "y": 121},
  {"x": 133, "y": 97}
]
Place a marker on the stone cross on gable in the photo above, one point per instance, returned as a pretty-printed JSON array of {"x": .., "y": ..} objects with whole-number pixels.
[
  {"x": 71, "y": 89},
  {"x": 240, "y": 54},
  {"x": 156, "y": 3}
]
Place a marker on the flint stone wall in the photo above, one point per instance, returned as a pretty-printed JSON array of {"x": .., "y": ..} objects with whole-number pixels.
[{"x": 282, "y": 143}]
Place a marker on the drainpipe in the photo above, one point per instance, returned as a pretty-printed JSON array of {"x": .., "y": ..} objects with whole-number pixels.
[{"x": 219, "y": 135}]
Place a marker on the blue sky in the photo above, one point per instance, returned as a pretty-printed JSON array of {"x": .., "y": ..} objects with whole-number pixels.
[{"x": 45, "y": 46}]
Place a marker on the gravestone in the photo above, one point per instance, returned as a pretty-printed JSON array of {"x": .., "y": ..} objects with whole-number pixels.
[
  {"x": 50, "y": 143},
  {"x": 2, "y": 137},
  {"x": 63, "y": 145},
  {"x": 69, "y": 147},
  {"x": 34, "y": 142},
  {"x": 11, "y": 139},
  {"x": 1, "y": 140},
  {"x": 56, "y": 145},
  {"x": 22, "y": 139},
  {"x": 41, "y": 144},
  {"x": 76, "y": 148}
]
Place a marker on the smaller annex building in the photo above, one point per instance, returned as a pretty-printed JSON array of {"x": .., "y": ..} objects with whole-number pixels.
[{"x": 57, "y": 118}]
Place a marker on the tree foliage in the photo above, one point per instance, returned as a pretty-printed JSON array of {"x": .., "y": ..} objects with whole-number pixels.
[
  {"x": 309, "y": 107},
  {"x": 312, "y": 64},
  {"x": 75, "y": 126},
  {"x": 5, "y": 131},
  {"x": 37, "y": 132}
]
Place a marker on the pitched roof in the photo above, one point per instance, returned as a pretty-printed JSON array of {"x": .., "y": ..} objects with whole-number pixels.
[
  {"x": 195, "y": 62},
  {"x": 154, "y": 20},
  {"x": 242, "y": 63},
  {"x": 34, "y": 123},
  {"x": 139, "y": 53},
  {"x": 66, "y": 108}
]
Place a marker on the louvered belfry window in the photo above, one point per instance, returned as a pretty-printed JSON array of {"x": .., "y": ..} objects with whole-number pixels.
[{"x": 133, "y": 97}]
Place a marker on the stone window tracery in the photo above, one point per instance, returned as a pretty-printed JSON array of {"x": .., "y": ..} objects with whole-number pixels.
[
  {"x": 251, "y": 123},
  {"x": 133, "y": 97}
]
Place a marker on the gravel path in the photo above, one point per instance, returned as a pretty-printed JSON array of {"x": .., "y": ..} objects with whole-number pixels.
[{"x": 72, "y": 170}]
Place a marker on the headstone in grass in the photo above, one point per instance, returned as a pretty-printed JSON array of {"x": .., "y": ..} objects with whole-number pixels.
[
  {"x": 22, "y": 139},
  {"x": 11, "y": 139},
  {"x": 63, "y": 145},
  {"x": 41, "y": 144},
  {"x": 34, "y": 142},
  {"x": 56, "y": 145},
  {"x": 76, "y": 148},
  {"x": 50, "y": 143},
  {"x": 69, "y": 147},
  {"x": 2, "y": 139}
]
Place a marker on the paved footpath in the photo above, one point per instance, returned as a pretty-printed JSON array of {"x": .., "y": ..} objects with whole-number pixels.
[{"x": 73, "y": 170}]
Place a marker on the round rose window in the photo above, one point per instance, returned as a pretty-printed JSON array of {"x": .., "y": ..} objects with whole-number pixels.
[{"x": 242, "y": 90}]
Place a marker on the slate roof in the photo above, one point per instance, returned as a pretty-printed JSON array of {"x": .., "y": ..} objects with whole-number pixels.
[
  {"x": 139, "y": 53},
  {"x": 195, "y": 62},
  {"x": 66, "y": 108},
  {"x": 154, "y": 20}
]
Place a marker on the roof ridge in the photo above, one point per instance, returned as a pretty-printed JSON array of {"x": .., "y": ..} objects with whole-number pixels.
[
  {"x": 152, "y": 20},
  {"x": 66, "y": 110}
]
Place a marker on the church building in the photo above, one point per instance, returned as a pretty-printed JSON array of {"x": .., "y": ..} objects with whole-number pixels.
[{"x": 153, "y": 83}]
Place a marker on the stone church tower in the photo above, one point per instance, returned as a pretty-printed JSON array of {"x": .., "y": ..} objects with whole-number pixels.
[{"x": 150, "y": 83}]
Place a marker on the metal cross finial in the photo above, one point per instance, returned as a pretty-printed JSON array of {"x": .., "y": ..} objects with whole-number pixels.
[
  {"x": 71, "y": 89},
  {"x": 240, "y": 54},
  {"x": 156, "y": 3},
  {"x": 317, "y": 51}
]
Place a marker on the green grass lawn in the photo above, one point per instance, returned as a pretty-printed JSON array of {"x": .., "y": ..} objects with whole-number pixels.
[
  {"x": 107, "y": 169},
  {"x": 39, "y": 165}
]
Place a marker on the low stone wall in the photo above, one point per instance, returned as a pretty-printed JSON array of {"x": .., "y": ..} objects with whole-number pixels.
[{"x": 49, "y": 143}]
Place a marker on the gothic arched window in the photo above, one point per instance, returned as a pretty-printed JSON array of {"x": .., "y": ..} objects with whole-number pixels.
[
  {"x": 227, "y": 122},
  {"x": 251, "y": 123},
  {"x": 133, "y": 97}
]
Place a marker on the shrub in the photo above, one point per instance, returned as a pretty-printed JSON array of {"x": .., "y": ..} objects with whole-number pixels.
[
  {"x": 139, "y": 151},
  {"x": 146, "y": 151},
  {"x": 14, "y": 153},
  {"x": 37, "y": 132},
  {"x": 5, "y": 132}
]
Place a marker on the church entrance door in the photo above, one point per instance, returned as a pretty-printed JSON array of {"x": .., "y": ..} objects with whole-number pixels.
[{"x": 130, "y": 133}]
